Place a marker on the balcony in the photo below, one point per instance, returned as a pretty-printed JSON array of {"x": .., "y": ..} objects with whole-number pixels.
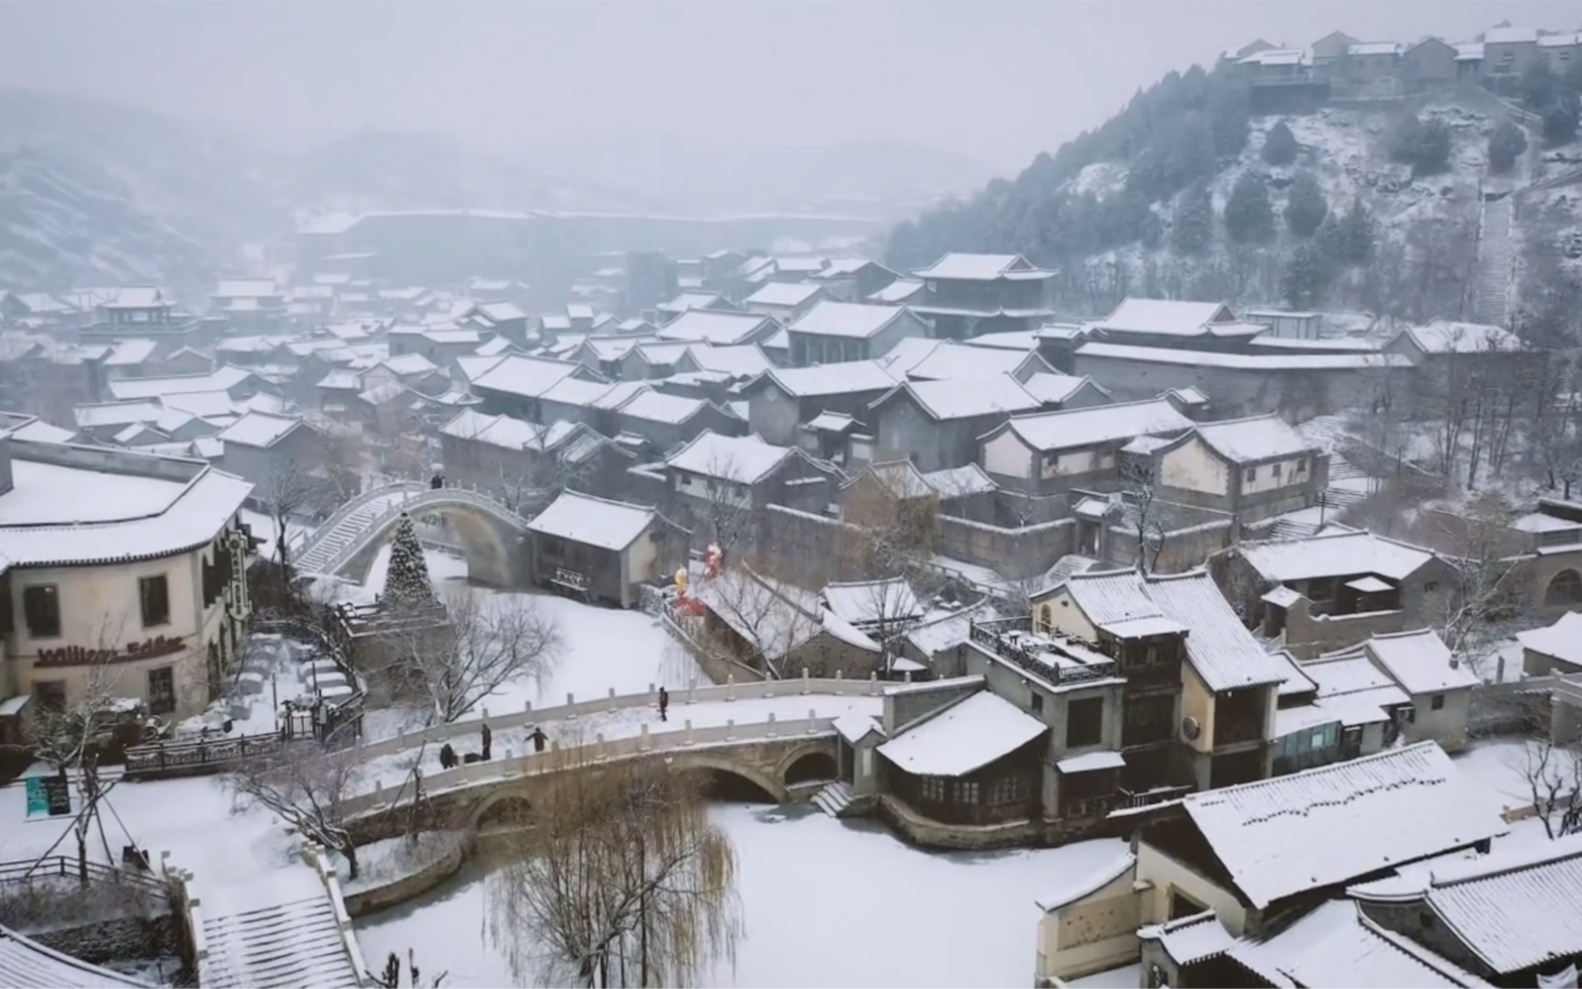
[
  {"x": 1134, "y": 799},
  {"x": 1056, "y": 662},
  {"x": 1234, "y": 731}
]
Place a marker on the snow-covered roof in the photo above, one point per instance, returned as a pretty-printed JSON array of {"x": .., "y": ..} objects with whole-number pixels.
[
  {"x": 342, "y": 379},
  {"x": 854, "y": 726},
  {"x": 959, "y": 482},
  {"x": 1219, "y": 647},
  {"x": 900, "y": 291},
  {"x": 1420, "y": 662},
  {"x": 1258, "y": 438},
  {"x": 405, "y": 365},
  {"x": 790, "y": 294},
  {"x": 1374, "y": 48},
  {"x": 1071, "y": 429},
  {"x": 1514, "y": 910},
  {"x": 115, "y": 413},
  {"x": 599, "y": 522},
  {"x": 966, "y": 736},
  {"x": 1334, "y": 554},
  {"x": 257, "y": 429},
  {"x": 1353, "y": 675},
  {"x": 1109, "y": 869},
  {"x": 1021, "y": 341},
  {"x": 1562, "y": 640},
  {"x": 1188, "y": 940},
  {"x": 775, "y": 617},
  {"x": 1174, "y": 317},
  {"x": 1055, "y": 389},
  {"x": 1510, "y": 35},
  {"x": 130, "y": 353},
  {"x": 1243, "y": 362},
  {"x": 73, "y": 505},
  {"x": 844, "y": 378},
  {"x": 873, "y": 602},
  {"x": 500, "y": 312},
  {"x": 965, "y": 398},
  {"x": 844, "y": 319},
  {"x": 1469, "y": 51},
  {"x": 691, "y": 300},
  {"x": 710, "y": 326},
  {"x": 576, "y": 391},
  {"x": 742, "y": 459},
  {"x": 1346, "y": 820},
  {"x": 37, "y": 430},
  {"x": 26, "y": 962},
  {"x": 743, "y": 360},
  {"x": 922, "y": 359},
  {"x": 831, "y": 422},
  {"x": 1337, "y": 933},
  {"x": 981, "y": 267},
  {"x": 1443, "y": 336},
  {"x": 899, "y": 477},
  {"x": 211, "y": 405},
  {"x": 656, "y": 406},
  {"x": 1090, "y": 762},
  {"x": 223, "y": 378},
  {"x": 527, "y": 376},
  {"x": 1362, "y": 953},
  {"x": 137, "y": 297}
]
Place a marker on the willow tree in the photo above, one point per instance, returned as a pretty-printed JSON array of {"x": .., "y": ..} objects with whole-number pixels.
[{"x": 623, "y": 881}]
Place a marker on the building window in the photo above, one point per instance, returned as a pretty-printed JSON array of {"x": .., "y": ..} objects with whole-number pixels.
[
  {"x": 41, "y": 608},
  {"x": 966, "y": 792},
  {"x": 1301, "y": 466},
  {"x": 162, "y": 690},
  {"x": 1430, "y": 586},
  {"x": 933, "y": 789},
  {"x": 1252, "y": 474},
  {"x": 1084, "y": 722},
  {"x": 1037, "y": 702},
  {"x": 153, "y": 594},
  {"x": 50, "y": 694},
  {"x": 1010, "y": 790},
  {"x": 1437, "y": 702},
  {"x": 1276, "y": 471}
]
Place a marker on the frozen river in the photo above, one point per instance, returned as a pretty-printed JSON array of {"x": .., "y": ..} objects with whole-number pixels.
[{"x": 825, "y": 903}]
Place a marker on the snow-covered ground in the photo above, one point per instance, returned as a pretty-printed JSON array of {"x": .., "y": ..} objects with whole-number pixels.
[{"x": 825, "y": 903}]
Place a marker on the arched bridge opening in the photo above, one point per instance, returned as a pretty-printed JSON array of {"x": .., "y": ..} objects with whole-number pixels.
[
  {"x": 811, "y": 767},
  {"x": 494, "y": 549}
]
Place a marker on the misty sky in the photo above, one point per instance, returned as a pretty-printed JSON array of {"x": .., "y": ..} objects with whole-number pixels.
[{"x": 999, "y": 81}]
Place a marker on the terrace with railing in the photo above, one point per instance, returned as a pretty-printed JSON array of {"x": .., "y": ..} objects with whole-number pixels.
[{"x": 1058, "y": 661}]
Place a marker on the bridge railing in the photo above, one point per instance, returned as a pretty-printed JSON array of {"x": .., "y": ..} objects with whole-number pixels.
[
  {"x": 678, "y": 737},
  {"x": 679, "y": 699},
  {"x": 425, "y": 497}
]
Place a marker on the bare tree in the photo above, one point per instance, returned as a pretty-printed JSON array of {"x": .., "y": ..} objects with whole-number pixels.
[
  {"x": 890, "y": 608},
  {"x": 390, "y": 978},
  {"x": 764, "y": 617},
  {"x": 1147, "y": 513},
  {"x": 1554, "y": 779},
  {"x": 287, "y": 491},
  {"x": 485, "y": 642},
  {"x": 1485, "y": 597},
  {"x": 729, "y": 504},
  {"x": 624, "y": 881},
  {"x": 307, "y": 785}
]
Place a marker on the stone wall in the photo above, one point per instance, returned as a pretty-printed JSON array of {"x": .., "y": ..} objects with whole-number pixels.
[
  {"x": 1015, "y": 553},
  {"x": 904, "y": 706},
  {"x": 934, "y": 834},
  {"x": 1308, "y": 635},
  {"x": 413, "y": 884},
  {"x": 117, "y": 939},
  {"x": 1183, "y": 548}
]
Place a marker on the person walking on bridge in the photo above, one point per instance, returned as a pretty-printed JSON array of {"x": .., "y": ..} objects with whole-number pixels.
[
  {"x": 539, "y": 738},
  {"x": 664, "y": 704}
]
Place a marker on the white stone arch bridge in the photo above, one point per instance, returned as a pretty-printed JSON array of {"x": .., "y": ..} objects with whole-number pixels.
[
  {"x": 492, "y": 535},
  {"x": 779, "y": 736}
]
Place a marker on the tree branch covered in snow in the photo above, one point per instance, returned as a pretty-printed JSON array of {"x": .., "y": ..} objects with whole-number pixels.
[
  {"x": 1554, "y": 779},
  {"x": 484, "y": 643},
  {"x": 307, "y": 786},
  {"x": 623, "y": 881}
]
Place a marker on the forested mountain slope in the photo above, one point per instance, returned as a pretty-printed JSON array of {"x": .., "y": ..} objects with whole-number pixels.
[{"x": 1187, "y": 193}]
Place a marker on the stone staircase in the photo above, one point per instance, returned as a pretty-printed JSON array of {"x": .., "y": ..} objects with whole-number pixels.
[
  {"x": 320, "y": 549},
  {"x": 1341, "y": 496},
  {"x": 834, "y": 798},
  {"x": 1492, "y": 286},
  {"x": 281, "y": 932},
  {"x": 1287, "y": 528}
]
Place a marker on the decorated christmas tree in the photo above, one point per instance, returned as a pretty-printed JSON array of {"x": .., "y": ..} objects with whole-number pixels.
[{"x": 406, "y": 582}]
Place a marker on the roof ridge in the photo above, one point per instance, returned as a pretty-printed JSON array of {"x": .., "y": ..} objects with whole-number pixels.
[
  {"x": 1333, "y": 767},
  {"x": 1431, "y": 960}
]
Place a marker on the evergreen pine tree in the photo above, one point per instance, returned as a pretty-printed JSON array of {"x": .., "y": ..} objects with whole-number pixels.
[
  {"x": 1279, "y": 145},
  {"x": 1560, "y": 118},
  {"x": 1306, "y": 207},
  {"x": 1506, "y": 144},
  {"x": 1356, "y": 234},
  {"x": 1249, "y": 216},
  {"x": 1192, "y": 221},
  {"x": 406, "y": 581},
  {"x": 1305, "y": 277}
]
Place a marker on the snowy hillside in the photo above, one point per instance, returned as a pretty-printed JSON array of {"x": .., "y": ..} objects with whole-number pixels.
[{"x": 1377, "y": 207}]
